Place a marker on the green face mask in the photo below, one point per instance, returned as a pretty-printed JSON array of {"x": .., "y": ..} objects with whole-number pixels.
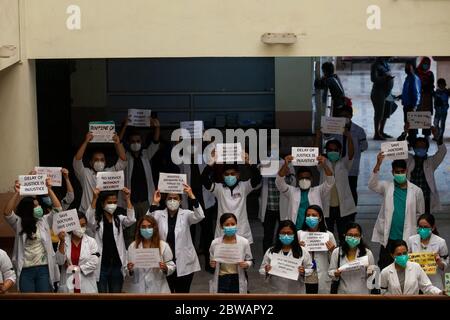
[
  {"x": 402, "y": 260},
  {"x": 424, "y": 233},
  {"x": 352, "y": 241},
  {"x": 400, "y": 178},
  {"x": 333, "y": 156},
  {"x": 38, "y": 212}
]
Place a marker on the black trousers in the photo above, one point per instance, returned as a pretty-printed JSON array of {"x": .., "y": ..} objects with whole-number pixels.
[
  {"x": 385, "y": 258},
  {"x": 412, "y": 133},
  {"x": 228, "y": 283},
  {"x": 180, "y": 284},
  {"x": 312, "y": 288},
  {"x": 341, "y": 222},
  {"x": 270, "y": 223},
  {"x": 353, "y": 182}
]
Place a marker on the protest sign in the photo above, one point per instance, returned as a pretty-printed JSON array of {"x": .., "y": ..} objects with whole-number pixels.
[
  {"x": 66, "y": 221},
  {"x": 139, "y": 117},
  {"x": 102, "y": 131},
  {"x": 426, "y": 261},
  {"x": 285, "y": 267},
  {"x": 332, "y": 125},
  {"x": 315, "y": 241},
  {"x": 355, "y": 265},
  {"x": 229, "y": 152},
  {"x": 52, "y": 172},
  {"x": 194, "y": 128},
  {"x": 171, "y": 182},
  {"x": 304, "y": 156},
  {"x": 227, "y": 253},
  {"x": 110, "y": 180},
  {"x": 419, "y": 120},
  {"x": 147, "y": 258},
  {"x": 395, "y": 150},
  {"x": 31, "y": 185}
]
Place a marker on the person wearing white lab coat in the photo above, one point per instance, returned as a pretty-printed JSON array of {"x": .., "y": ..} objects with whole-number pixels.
[
  {"x": 33, "y": 256},
  {"x": 403, "y": 277},
  {"x": 230, "y": 277},
  {"x": 318, "y": 281},
  {"x": 7, "y": 274},
  {"x": 421, "y": 168},
  {"x": 232, "y": 194},
  {"x": 150, "y": 280},
  {"x": 108, "y": 222},
  {"x": 273, "y": 205},
  {"x": 428, "y": 240},
  {"x": 338, "y": 205},
  {"x": 88, "y": 176},
  {"x": 402, "y": 203},
  {"x": 174, "y": 225},
  {"x": 78, "y": 257},
  {"x": 287, "y": 245},
  {"x": 304, "y": 195},
  {"x": 354, "y": 280}
]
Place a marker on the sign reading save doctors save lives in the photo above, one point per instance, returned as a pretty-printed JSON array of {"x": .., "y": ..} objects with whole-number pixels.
[{"x": 395, "y": 150}]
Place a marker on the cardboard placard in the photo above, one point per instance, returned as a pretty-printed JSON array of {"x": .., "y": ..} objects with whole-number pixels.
[
  {"x": 426, "y": 261},
  {"x": 52, "y": 172},
  {"x": 395, "y": 150},
  {"x": 305, "y": 156},
  {"x": 66, "y": 221},
  {"x": 229, "y": 153},
  {"x": 315, "y": 241},
  {"x": 332, "y": 125},
  {"x": 419, "y": 119},
  {"x": 171, "y": 182},
  {"x": 103, "y": 131},
  {"x": 227, "y": 253},
  {"x": 195, "y": 129},
  {"x": 32, "y": 185},
  {"x": 285, "y": 267},
  {"x": 139, "y": 117},
  {"x": 110, "y": 180}
]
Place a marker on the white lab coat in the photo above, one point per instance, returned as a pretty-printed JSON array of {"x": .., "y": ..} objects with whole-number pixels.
[
  {"x": 89, "y": 262},
  {"x": 293, "y": 194},
  {"x": 346, "y": 202},
  {"x": 208, "y": 198},
  {"x": 246, "y": 255},
  {"x": 43, "y": 227},
  {"x": 322, "y": 259},
  {"x": 352, "y": 282},
  {"x": 282, "y": 285},
  {"x": 88, "y": 180},
  {"x": 233, "y": 202},
  {"x": 186, "y": 257},
  {"x": 6, "y": 268},
  {"x": 151, "y": 280},
  {"x": 436, "y": 245},
  {"x": 125, "y": 221},
  {"x": 429, "y": 167},
  {"x": 415, "y": 280},
  {"x": 415, "y": 206}
]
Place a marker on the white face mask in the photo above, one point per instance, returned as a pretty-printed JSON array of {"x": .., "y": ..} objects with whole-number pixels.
[
  {"x": 135, "y": 147},
  {"x": 304, "y": 184},
  {"x": 80, "y": 233},
  {"x": 173, "y": 204},
  {"x": 110, "y": 208},
  {"x": 99, "y": 166}
]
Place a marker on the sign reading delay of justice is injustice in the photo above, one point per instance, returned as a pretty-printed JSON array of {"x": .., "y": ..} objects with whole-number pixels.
[
  {"x": 31, "y": 185},
  {"x": 305, "y": 156}
]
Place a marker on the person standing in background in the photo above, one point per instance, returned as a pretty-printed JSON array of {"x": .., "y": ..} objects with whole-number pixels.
[
  {"x": 331, "y": 82},
  {"x": 426, "y": 77}
]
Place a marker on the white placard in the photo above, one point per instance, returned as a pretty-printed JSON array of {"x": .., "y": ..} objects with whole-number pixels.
[
  {"x": 171, "y": 182},
  {"x": 285, "y": 267},
  {"x": 147, "y": 258},
  {"x": 395, "y": 150},
  {"x": 229, "y": 152},
  {"x": 52, "y": 172},
  {"x": 419, "y": 120},
  {"x": 315, "y": 241},
  {"x": 332, "y": 125},
  {"x": 355, "y": 265},
  {"x": 139, "y": 117},
  {"x": 110, "y": 180},
  {"x": 270, "y": 168},
  {"x": 102, "y": 131},
  {"x": 195, "y": 129},
  {"x": 31, "y": 185},
  {"x": 66, "y": 221},
  {"x": 305, "y": 156},
  {"x": 227, "y": 253}
]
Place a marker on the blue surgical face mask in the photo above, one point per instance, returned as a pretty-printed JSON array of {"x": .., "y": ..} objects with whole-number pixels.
[
  {"x": 424, "y": 233},
  {"x": 402, "y": 260},
  {"x": 286, "y": 239},
  {"x": 47, "y": 201},
  {"x": 352, "y": 242},
  {"x": 420, "y": 152},
  {"x": 400, "y": 178},
  {"x": 312, "y": 222},
  {"x": 146, "y": 233},
  {"x": 38, "y": 212},
  {"x": 333, "y": 156},
  {"x": 230, "y": 231},
  {"x": 230, "y": 180}
]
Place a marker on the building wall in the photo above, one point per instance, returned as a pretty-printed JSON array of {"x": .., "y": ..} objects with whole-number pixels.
[{"x": 9, "y": 26}]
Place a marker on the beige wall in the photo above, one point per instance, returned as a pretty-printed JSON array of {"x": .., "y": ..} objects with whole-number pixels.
[
  {"x": 157, "y": 28},
  {"x": 9, "y": 30}
]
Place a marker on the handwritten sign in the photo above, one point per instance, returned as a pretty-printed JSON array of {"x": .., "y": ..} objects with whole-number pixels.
[
  {"x": 171, "y": 182},
  {"x": 305, "y": 156},
  {"x": 139, "y": 117},
  {"x": 31, "y": 185},
  {"x": 194, "y": 129},
  {"x": 395, "y": 150},
  {"x": 355, "y": 265},
  {"x": 419, "y": 119},
  {"x": 426, "y": 261},
  {"x": 52, "y": 172},
  {"x": 270, "y": 168},
  {"x": 229, "y": 152},
  {"x": 102, "y": 131},
  {"x": 227, "y": 253},
  {"x": 147, "y": 258},
  {"x": 285, "y": 267},
  {"x": 315, "y": 241},
  {"x": 332, "y": 125},
  {"x": 66, "y": 221},
  {"x": 107, "y": 181}
]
